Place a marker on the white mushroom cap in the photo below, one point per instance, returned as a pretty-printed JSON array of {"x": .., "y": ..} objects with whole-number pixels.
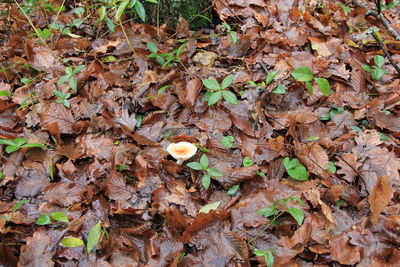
[{"x": 181, "y": 151}]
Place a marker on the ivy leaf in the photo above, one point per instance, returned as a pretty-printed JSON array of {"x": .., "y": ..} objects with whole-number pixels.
[
  {"x": 72, "y": 242},
  {"x": 323, "y": 85},
  {"x": 208, "y": 207},
  {"x": 214, "y": 98},
  {"x": 303, "y": 74},
  {"x": 93, "y": 237},
  {"x": 297, "y": 214},
  {"x": 211, "y": 84},
  {"x": 43, "y": 219},
  {"x": 227, "y": 81}
]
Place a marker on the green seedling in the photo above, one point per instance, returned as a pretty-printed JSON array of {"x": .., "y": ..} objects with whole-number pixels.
[
  {"x": 275, "y": 212},
  {"x": 5, "y": 93},
  {"x": 334, "y": 110},
  {"x": 268, "y": 256},
  {"x": 390, "y": 5},
  {"x": 202, "y": 165},
  {"x": 247, "y": 162},
  {"x": 62, "y": 98},
  {"x": 18, "y": 143},
  {"x": 167, "y": 58},
  {"x": 70, "y": 77},
  {"x": 217, "y": 91},
  {"x": 14, "y": 209},
  {"x": 280, "y": 89},
  {"x": 346, "y": 9},
  {"x": 304, "y": 74},
  {"x": 295, "y": 169},
  {"x": 233, "y": 189},
  {"x": 227, "y": 141},
  {"x": 231, "y": 33},
  {"x": 1, "y": 175},
  {"x": 376, "y": 71}
]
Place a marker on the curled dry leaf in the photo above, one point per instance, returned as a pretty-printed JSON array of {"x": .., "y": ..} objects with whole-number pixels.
[{"x": 380, "y": 197}]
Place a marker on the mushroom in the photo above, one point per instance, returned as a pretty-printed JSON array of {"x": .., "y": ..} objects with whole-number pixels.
[{"x": 181, "y": 151}]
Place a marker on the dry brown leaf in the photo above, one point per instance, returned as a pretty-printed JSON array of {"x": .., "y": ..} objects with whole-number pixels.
[
  {"x": 60, "y": 115},
  {"x": 380, "y": 197},
  {"x": 314, "y": 157},
  {"x": 193, "y": 88}
]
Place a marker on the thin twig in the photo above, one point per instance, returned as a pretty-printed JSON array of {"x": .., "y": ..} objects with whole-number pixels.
[
  {"x": 126, "y": 37},
  {"x": 381, "y": 17},
  {"x": 382, "y": 45},
  {"x": 230, "y": 10}
]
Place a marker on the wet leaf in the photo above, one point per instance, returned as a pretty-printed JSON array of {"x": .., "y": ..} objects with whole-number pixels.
[
  {"x": 72, "y": 242},
  {"x": 208, "y": 207}
]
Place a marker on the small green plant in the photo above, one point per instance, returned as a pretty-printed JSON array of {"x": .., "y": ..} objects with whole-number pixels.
[
  {"x": 58, "y": 216},
  {"x": 376, "y": 71},
  {"x": 231, "y": 33},
  {"x": 273, "y": 210},
  {"x": 346, "y": 9},
  {"x": 280, "y": 89},
  {"x": 18, "y": 143},
  {"x": 93, "y": 237},
  {"x": 62, "y": 98},
  {"x": 247, "y": 162},
  {"x": 227, "y": 141},
  {"x": 295, "y": 169},
  {"x": 390, "y": 5},
  {"x": 217, "y": 91},
  {"x": 304, "y": 74},
  {"x": 5, "y": 93},
  {"x": 334, "y": 110},
  {"x": 14, "y": 209},
  {"x": 70, "y": 77},
  {"x": 26, "y": 103},
  {"x": 202, "y": 165},
  {"x": 331, "y": 167},
  {"x": 1, "y": 175},
  {"x": 165, "y": 59},
  {"x": 268, "y": 256}
]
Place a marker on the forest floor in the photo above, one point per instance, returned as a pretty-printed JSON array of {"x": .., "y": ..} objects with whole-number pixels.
[{"x": 293, "y": 107}]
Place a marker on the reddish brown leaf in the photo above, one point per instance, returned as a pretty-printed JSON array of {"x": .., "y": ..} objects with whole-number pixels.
[
  {"x": 60, "y": 115},
  {"x": 380, "y": 197}
]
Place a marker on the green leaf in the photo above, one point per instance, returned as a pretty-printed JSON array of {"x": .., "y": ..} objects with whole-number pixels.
[
  {"x": 288, "y": 164},
  {"x": 214, "y": 172},
  {"x": 303, "y": 74},
  {"x": 7, "y": 142},
  {"x": 152, "y": 1},
  {"x": 271, "y": 76},
  {"x": 233, "y": 189},
  {"x": 204, "y": 161},
  {"x": 139, "y": 8},
  {"x": 20, "y": 141},
  {"x": 11, "y": 149},
  {"x": 247, "y": 162},
  {"x": 227, "y": 81},
  {"x": 230, "y": 97},
  {"x": 268, "y": 211},
  {"x": 5, "y": 93},
  {"x": 309, "y": 88},
  {"x": 58, "y": 93},
  {"x": 377, "y": 74},
  {"x": 331, "y": 167},
  {"x": 298, "y": 173},
  {"x": 1, "y": 175},
  {"x": 120, "y": 10},
  {"x": 233, "y": 37},
  {"x": 366, "y": 67},
  {"x": 280, "y": 89},
  {"x": 383, "y": 137},
  {"x": 323, "y": 85},
  {"x": 73, "y": 83},
  {"x": 68, "y": 70},
  {"x": 43, "y": 219},
  {"x": 63, "y": 79},
  {"x": 297, "y": 214},
  {"x": 18, "y": 205},
  {"x": 102, "y": 13},
  {"x": 110, "y": 24},
  {"x": 214, "y": 98},
  {"x": 211, "y": 84},
  {"x": 208, "y": 207},
  {"x": 34, "y": 145},
  {"x": 179, "y": 51},
  {"x": 152, "y": 47},
  {"x": 206, "y": 181},
  {"x": 226, "y": 141},
  {"x": 227, "y": 27},
  {"x": 59, "y": 216},
  {"x": 79, "y": 11},
  {"x": 196, "y": 166},
  {"x": 72, "y": 242},
  {"x": 78, "y": 69},
  {"x": 93, "y": 237},
  {"x": 66, "y": 103},
  {"x": 132, "y": 3},
  {"x": 379, "y": 61},
  {"x": 312, "y": 138}
]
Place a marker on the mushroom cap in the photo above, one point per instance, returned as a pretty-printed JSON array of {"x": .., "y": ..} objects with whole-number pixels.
[{"x": 182, "y": 150}]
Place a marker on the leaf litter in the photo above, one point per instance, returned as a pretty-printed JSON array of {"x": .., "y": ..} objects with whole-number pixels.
[{"x": 100, "y": 160}]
